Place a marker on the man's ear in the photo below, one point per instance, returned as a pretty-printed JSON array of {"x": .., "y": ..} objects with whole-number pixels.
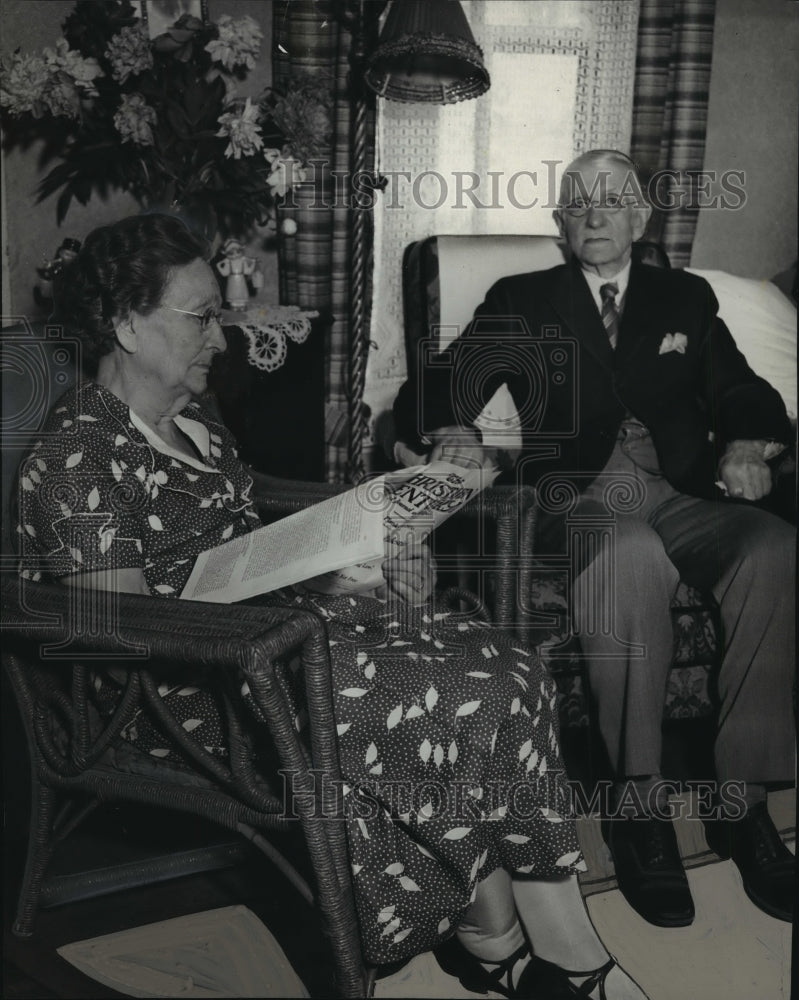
[
  {"x": 126, "y": 335},
  {"x": 641, "y": 216}
]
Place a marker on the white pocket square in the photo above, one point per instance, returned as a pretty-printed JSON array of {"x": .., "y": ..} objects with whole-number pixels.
[{"x": 673, "y": 342}]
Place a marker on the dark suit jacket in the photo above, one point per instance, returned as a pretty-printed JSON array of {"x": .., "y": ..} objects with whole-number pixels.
[{"x": 541, "y": 333}]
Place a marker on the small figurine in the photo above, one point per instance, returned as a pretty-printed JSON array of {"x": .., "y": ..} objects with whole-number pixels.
[
  {"x": 51, "y": 270},
  {"x": 235, "y": 266}
]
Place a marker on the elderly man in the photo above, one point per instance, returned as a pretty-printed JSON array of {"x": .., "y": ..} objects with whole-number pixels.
[{"x": 661, "y": 423}]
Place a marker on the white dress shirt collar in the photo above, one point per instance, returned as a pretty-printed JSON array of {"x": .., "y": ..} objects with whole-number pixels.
[{"x": 622, "y": 279}]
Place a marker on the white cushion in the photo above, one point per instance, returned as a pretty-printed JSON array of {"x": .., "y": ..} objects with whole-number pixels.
[
  {"x": 467, "y": 267},
  {"x": 763, "y": 323}
]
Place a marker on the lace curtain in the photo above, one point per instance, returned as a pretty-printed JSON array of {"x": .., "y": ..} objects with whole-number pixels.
[{"x": 562, "y": 78}]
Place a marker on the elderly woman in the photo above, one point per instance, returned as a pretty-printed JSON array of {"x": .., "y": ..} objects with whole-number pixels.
[{"x": 153, "y": 480}]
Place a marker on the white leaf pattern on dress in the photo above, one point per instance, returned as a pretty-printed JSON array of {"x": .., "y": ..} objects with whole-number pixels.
[
  {"x": 408, "y": 884},
  {"x": 394, "y": 717},
  {"x": 468, "y": 707},
  {"x": 74, "y": 460},
  {"x": 371, "y": 754},
  {"x": 430, "y": 698},
  {"x": 426, "y": 812},
  {"x": 396, "y": 868},
  {"x": 386, "y": 913},
  {"x": 457, "y": 833}
]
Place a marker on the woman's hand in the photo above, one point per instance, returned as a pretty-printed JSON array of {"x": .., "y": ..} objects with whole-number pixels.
[
  {"x": 459, "y": 446},
  {"x": 409, "y": 571}
]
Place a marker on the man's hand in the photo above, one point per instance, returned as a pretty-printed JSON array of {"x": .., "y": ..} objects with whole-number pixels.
[
  {"x": 409, "y": 571},
  {"x": 743, "y": 470},
  {"x": 459, "y": 446}
]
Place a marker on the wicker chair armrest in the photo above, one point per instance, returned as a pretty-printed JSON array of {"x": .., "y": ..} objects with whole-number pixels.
[
  {"x": 71, "y": 622},
  {"x": 502, "y": 501},
  {"x": 275, "y": 497}
]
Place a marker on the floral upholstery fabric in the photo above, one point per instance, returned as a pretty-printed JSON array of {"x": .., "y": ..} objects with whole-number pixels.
[{"x": 695, "y": 650}]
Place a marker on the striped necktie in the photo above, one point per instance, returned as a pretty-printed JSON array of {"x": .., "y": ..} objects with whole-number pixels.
[{"x": 610, "y": 314}]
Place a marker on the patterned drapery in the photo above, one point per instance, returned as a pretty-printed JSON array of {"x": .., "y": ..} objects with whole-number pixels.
[
  {"x": 672, "y": 81},
  {"x": 325, "y": 264}
]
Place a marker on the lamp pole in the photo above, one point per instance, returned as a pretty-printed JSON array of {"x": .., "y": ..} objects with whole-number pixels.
[{"x": 363, "y": 23}]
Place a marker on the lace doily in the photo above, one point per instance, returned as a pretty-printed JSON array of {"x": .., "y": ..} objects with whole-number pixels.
[{"x": 268, "y": 327}]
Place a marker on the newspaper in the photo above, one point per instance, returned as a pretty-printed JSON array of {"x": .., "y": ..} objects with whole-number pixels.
[{"x": 339, "y": 545}]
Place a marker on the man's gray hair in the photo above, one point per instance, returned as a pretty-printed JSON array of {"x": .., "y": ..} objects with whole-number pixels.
[{"x": 572, "y": 184}]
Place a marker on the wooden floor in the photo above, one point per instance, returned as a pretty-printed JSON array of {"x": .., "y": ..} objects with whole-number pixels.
[{"x": 731, "y": 952}]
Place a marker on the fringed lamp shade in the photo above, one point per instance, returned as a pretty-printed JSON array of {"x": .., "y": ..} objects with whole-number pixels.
[{"x": 427, "y": 53}]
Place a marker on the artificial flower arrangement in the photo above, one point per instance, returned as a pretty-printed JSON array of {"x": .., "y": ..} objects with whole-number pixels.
[{"x": 161, "y": 118}]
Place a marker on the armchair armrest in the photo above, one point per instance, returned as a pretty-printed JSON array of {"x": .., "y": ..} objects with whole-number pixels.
[
  {"x": 51, "y": 624},
  {"x": 275, "y": 497},
  {"x": 70, "y": 622}
]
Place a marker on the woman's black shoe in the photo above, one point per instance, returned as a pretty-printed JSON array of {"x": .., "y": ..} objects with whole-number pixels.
[
  {"x": 544, "y": 981},
  {"x": 470, "y": 970}
]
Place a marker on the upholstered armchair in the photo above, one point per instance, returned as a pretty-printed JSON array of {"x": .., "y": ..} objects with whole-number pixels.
[{"x": 444, "y": 279}]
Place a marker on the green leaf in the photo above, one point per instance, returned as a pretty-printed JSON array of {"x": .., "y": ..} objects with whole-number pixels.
[{"x": 62, "y": 205}]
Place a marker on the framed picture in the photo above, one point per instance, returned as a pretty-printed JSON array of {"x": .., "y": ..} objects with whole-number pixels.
[{"x": 160, "y": 15}]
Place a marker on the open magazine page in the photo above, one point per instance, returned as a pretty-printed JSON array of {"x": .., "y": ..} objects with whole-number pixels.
[
  {"x": 418, "y": 500},
  {"x": 338, "y": 545},
  {"x": 344, "y": 529}
]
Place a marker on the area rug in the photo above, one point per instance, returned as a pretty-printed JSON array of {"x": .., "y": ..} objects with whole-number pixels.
[{"x": 219, "y": 953}]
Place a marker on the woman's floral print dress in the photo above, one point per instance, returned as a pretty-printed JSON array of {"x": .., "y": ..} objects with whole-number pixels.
[{"x": 447, "y": 730}]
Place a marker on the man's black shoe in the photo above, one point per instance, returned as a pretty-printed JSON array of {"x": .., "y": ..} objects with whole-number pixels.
[
  {"x": 649, "y": 870},
  {"x": 767, "y": 867}
]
